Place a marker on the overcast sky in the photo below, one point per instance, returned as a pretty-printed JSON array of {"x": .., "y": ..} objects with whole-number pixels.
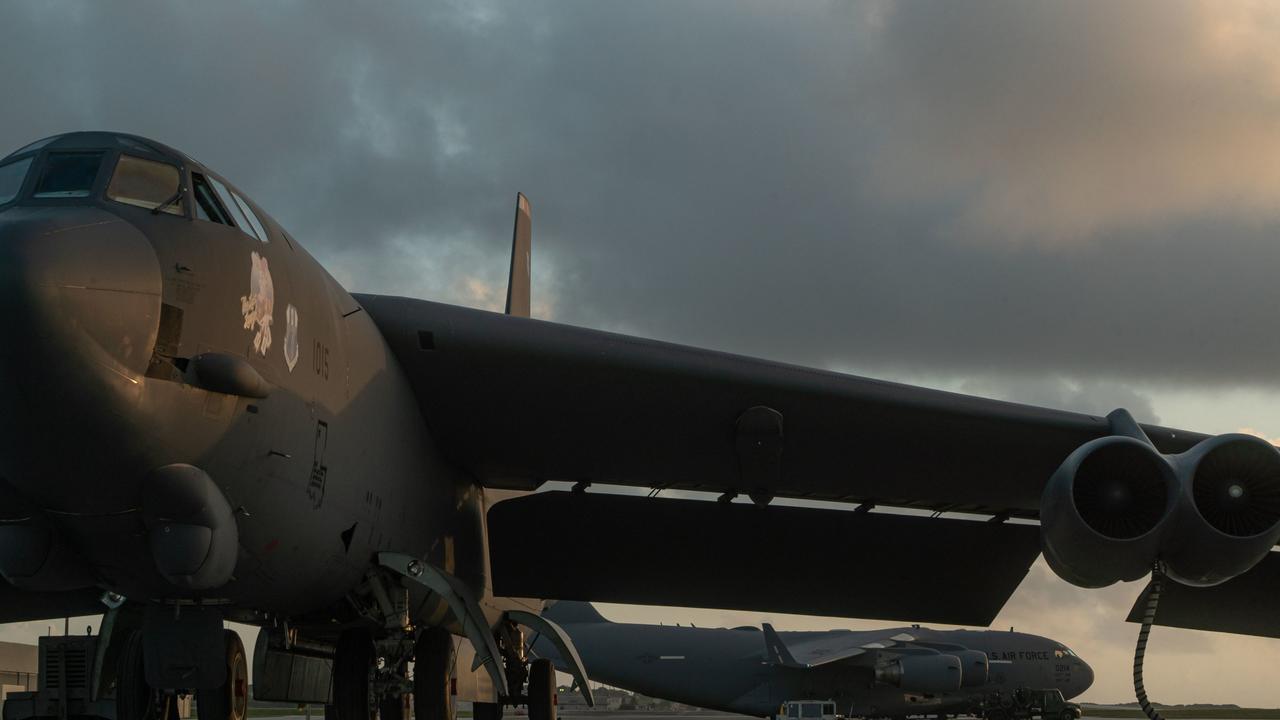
[{"x": 1072, "y": 204}]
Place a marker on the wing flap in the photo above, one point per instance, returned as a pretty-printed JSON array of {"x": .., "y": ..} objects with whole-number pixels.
[
  {"x": 659, "y": 551},
  {"x": 1245, "y": 605}
]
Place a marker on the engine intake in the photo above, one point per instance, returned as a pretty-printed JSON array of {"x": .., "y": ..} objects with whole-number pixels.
[
  {"x": 922, "y": 673},
  {"x": 1116, "y": 506},
  {"x": 1103, "y": 511},
  {"x": 1229, "y": 510},
  {"x": 974, "y": 667}
]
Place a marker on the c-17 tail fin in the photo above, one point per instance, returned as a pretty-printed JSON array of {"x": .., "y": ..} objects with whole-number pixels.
[
  {"x": 775, "y": 651},
  {"x": 518, "y": 280}
]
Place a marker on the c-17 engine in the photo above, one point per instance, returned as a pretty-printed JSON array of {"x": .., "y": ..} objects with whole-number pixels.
[
  {"x": 1117, "y": 506},
  {"x": 934, "y": 673}
]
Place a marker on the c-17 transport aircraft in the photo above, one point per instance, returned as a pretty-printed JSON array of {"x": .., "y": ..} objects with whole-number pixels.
[
  {"x": 751, "y": 670},
  {"x": 200, "y": 424}
]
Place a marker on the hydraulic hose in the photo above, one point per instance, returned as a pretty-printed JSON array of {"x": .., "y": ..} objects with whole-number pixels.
[{"x": 1139, "y": 653}]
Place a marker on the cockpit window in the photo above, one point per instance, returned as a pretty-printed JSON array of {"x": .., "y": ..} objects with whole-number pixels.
[
  {"x": 258, "y": 230},
  {"x": 208, "y": 207},
  {"x": 35, "y": 145},
  {"x": 68, "y": 175},
  {"x": 239, "y": 210},
  {"x": 11, "y": 177},
  {"x": 146, "y": 184}
]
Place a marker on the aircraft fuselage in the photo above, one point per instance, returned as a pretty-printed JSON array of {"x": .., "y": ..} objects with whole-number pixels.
[{"x": 111, "y": 306}]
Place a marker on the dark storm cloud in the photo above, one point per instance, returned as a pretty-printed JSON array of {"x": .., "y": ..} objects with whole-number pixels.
[{"x": 1074, "y": 190}]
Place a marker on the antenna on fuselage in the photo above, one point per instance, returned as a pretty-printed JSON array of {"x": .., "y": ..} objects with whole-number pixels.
[{"x": 521, "y": 241}]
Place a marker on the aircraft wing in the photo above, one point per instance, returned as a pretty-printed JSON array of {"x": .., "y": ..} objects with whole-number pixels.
[
  {"x": 1243, "y": 604},
  {"x": 519, "y": 401},
  {"x": 810, "y": 650}
]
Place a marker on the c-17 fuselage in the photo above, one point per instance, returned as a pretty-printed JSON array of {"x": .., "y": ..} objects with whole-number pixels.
[{"x": 734, "y": 670}]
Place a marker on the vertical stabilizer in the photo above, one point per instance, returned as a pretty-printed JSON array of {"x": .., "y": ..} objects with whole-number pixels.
[{"x": 518, "y": 280}]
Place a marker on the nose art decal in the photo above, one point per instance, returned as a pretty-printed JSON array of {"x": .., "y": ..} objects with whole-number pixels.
[
  {"x": 259, "y": 305},
  {"x": 291, "y": 337}
]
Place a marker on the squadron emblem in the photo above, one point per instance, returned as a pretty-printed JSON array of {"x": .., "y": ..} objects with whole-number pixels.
[
  {"x": 259, "y": 305},
  {"x": 291, "y": 336}
]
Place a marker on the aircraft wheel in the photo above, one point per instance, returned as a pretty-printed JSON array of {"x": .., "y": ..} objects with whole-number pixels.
[
  {"x": 432, "y": 658},
  {"x": 486, "y": 711},
  {"x": 392, "y": 708},
  {"x": 134, "y": 698},
  {"x": 231, "y": 701},
  {"x": 352, "y": 675},
  {"x": 542, "y": 690}
]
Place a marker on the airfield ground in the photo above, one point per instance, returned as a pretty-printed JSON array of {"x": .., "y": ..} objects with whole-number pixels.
[{"x": 1091, "y": 712}]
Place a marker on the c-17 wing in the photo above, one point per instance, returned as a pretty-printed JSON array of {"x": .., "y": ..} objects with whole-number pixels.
[
  {"x": 518, "y": 402},
  {"x": 824, "y": 648}
]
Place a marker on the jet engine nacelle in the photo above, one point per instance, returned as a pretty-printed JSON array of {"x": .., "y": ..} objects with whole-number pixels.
[
  {"x": 922, "y": 673},
  {"x": 973, "y": 667},
  {"x": 1228, "y": 514},
  {"x": 1103, "y": 512},
  {"x": 1116, "y": 506}
]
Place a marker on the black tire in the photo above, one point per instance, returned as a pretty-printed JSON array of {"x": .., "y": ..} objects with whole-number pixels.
[
  {"x": 432, "y": 662},
  {"x": 352, "y": 675},
  {"x": 542, "y": 690},
  {"x": 1069, "y": 715},
  {"x": 486, "y": 711},
  {"x": 231, "y": 701},
  {"x": 134, "y": 698},
  {"x": 392, "y": 708}
]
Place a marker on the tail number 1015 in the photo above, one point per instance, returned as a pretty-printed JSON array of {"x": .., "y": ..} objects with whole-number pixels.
[{"x": 320, "y": 360}]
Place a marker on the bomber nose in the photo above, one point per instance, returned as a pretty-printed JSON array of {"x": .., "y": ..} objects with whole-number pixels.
[
  {"x": 77, "y": 281},
  {"x": 80, "y": 292}
]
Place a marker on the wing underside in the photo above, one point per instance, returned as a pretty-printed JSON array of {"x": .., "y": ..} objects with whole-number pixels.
[
  {"x": 1245, "y": 604},
  {"x": 660, "y": 551},
  {"x": 519, "y": 401}
]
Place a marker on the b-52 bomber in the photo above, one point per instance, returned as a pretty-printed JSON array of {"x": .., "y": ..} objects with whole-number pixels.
[
  {"x": 199, "y": 424},
  {"x": 752, "y": 670}
]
